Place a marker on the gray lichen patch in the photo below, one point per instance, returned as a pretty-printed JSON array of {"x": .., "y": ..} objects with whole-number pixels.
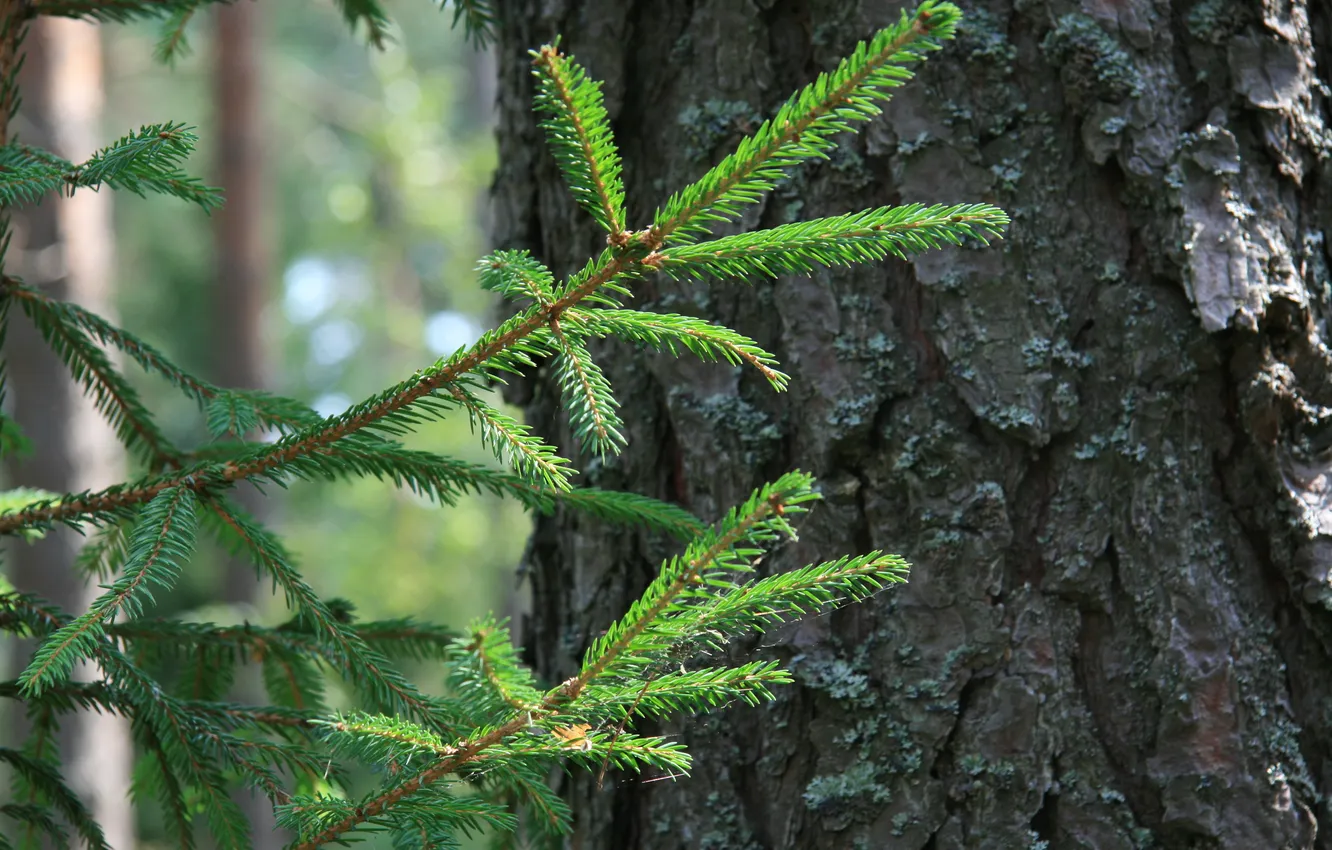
[
  {"x": 1215, "y": 21},
  {"x": 835, "y": 797},
  {"x": 1091, "y": 63},
  {"x": 708, "y": 124}
]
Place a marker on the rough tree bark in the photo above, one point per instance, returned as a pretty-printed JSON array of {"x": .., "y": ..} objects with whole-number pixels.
[{"x": 1103, "y": 445}]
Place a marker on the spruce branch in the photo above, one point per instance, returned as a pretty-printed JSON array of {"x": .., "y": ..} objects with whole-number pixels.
[
  {"x": 109, "y": 11},
  {"x": 804, "y": 126},
  {"x": 671, "y": 333},
  {"x": 630, "y": 641},
  {"x": 841, "y": 240},
  {"x": 372, "y": 14},
  {"x": 484, "y": 672},
  {"x": 751, "y": 607},
  {"x": 479, "y": 19},
  {"x": 516, "y": 274},
  {"x": 46, "y": 780},
  {"x": 514, "y": 442},
  {"x": 580, "y": 138},
  {"x": 112, "y": 395},
  {"x": 146, "y": 161},
  {"x": 141, "y": 162},
  {"x": 162, "y": 539},
  {"x": 395, "y": 409},
  {"x": 673, "y": 693},
  {"x": 587, "y": 396},
  {"x": 270, "y": 410},
  {"x": 355, "y": 658}
]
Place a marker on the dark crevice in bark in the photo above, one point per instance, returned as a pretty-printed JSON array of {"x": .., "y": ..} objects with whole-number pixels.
[
  {"x": 1025, "y": 556},
  {"x": 626, "y": 814},
  {"x": 1098, "y": 637},
  {"x": 789, "y": 32},
  {"x": 1043, "y": 823},
  {"x": 749, "y": 789},
  {"x": 906, "y": 296}
]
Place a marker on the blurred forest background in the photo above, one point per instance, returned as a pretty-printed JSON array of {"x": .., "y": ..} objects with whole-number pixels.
[{"x": 357, "y": 192}]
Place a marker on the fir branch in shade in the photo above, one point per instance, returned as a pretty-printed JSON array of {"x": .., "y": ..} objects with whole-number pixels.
[
  {"x": 110, "y": 11},
  {"x": 842, "y": 240},
  {"x": 104, "y": 553},
  {"x": 384, "y": 685},
  {"x": 179, "y": 737},
  {"x": 370, "y": 13},
  {"x": 164, "y": 785},
  {"x": 160, "y": 542},
  {"x": 269, "y": 410},
  {"x": 805, "y": 125},
  {"x": 38, "y": 820},
  {"x": 579, "y": 134},
  {"x": 446, "y": 479},
  {"x": 396, "y": 410},
  {"x": 112, "y": 395},
  {"x": 403, "y": 637},
  {"x": 172, "y": 40},
  {"x": 45, "y": 779},
  {"x": 479, "y": 19},
  {"x": 141, "y": 162},
  {"x": 525, "y": 784}
]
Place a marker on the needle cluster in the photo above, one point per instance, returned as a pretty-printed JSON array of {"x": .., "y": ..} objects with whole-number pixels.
[{"x": 476, "y": 758}]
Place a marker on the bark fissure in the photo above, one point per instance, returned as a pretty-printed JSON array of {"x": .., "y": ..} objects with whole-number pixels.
[{"x": 1075, "y": 438}]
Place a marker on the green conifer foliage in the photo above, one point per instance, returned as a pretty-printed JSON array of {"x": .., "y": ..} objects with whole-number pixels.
[{"x": 476, "y": 758}]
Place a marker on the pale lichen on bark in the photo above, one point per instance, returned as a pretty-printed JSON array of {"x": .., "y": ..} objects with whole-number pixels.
[{"x": 1104, "y": 444}]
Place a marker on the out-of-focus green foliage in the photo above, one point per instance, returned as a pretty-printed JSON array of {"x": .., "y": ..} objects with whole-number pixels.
[{"x": 379, "y": 163}]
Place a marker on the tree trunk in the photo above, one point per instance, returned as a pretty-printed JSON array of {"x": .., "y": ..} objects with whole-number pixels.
[
  {"x": 64, "y": 245},
  {"x": 1102, "y": 443},
  {"x": 243, "y": 271}
]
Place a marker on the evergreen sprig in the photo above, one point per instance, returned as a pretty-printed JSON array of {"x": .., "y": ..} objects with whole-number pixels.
[
  {"x": 580, "y": 137},
  {"x": 141, "y": 162},
  {"x": 475, "y": 758},
  {"x": 837, "y": 241},
  {"x": 158, "y": 546},
  {"x": 806, "y": 124}
]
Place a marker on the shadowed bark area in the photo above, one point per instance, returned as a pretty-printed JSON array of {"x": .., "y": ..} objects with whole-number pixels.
[{"x": 1104, "y": 443}]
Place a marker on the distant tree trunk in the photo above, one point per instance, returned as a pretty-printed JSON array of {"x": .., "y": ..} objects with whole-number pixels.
[
  {"x": 64, "y": 245},
  {"x": 244, "y": 269},
  {"x": 1104, "y": 444}
]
